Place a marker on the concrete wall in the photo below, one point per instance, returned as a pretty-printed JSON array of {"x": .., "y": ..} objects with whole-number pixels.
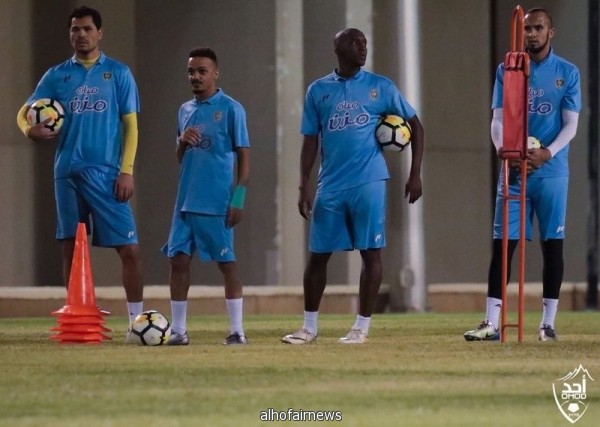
[{"x": 460, "y": 45}]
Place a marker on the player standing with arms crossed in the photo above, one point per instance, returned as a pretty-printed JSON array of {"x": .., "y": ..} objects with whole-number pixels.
[
  {"x": 342, "y": 110},
  {"x": 554, "y": 105},
  {"x": 211, "y": 136},
  {"x": 93, "y": 167}
]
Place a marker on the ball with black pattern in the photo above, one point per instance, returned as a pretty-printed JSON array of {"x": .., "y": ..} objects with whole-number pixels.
[
  {"x": 393, "y": 133},
  {"x": 151, "y": 328},
  {"x": 46, "y": 108}
]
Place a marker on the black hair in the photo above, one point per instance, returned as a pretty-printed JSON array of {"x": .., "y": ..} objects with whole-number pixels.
[
  {"x": 84, "y": 11},
  {"x": 203, "y": 52},
  {"x": 544, "y": 11}
]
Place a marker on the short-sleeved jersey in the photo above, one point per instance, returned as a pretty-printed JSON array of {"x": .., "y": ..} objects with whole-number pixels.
[
  {"x": 345, "y": 112},
  {"x": 206, "y": 175},
  {"x": 553, "y": 86},
  {"x": 94, "y": 100}
]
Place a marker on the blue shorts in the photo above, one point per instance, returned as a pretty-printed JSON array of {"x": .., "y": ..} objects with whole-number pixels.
[
  {"x": 546, "y": 199},
  {"x": 207, "y": 234},
  {"x": 349, "y": 219},
  {"x": 90, "y": 193}
]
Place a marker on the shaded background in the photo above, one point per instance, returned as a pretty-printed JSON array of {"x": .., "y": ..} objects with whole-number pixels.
[{"x": 269, "y": 51}]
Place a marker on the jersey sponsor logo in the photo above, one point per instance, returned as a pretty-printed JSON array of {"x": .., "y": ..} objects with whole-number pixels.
[
  {"x": 342, "y": 121},
  {"x": 82, "y": 102},
  {"x": 347, "y": 105},
  {"x": 535, "y": 104},
  {"x": 204, "y": 142}
]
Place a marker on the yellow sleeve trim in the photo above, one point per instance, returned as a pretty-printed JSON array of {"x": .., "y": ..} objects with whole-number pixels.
[
  {"x": 22, "y": 120},
  {"x": 130, "y": 142}
]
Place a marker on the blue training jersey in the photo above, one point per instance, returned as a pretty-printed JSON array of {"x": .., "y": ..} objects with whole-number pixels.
[
  {"x": 345, "y": 112},
  {"x": 206, "y": 175},
  {"x": 553, "y": 86},
  {"x": 94, "y": 100}
]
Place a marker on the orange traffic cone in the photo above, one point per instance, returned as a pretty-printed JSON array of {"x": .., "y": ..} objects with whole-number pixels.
[{"x": 80, "y": 320}]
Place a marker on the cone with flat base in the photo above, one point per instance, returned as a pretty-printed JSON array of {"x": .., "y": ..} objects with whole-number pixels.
[{"x": 80, "y": 320}]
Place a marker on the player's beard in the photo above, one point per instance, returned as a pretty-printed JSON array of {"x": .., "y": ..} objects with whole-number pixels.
[
  {"x": 539, "y": 48},
  {"x": 197, "y": 87}
]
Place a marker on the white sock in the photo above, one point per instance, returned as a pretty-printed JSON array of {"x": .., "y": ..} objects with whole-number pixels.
[
  {"x": 492, "y": 313},
  {"x": 362, "y": 323},
  {"x": 134, "y": 308},
  {"x": 311, "y": 319},
  {"x": 178, "y": 316},
  {"x": 235, "y": 310},
  {"x": 550, "y": 307}
]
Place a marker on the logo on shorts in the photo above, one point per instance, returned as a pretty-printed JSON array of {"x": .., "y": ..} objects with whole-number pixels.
[
  {"x": 224, "y": 251},
  {"x": 570, "y": 394},
  {"x": 131, "y": 234}
]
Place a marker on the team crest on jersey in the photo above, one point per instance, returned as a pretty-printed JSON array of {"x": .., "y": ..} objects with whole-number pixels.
[
  {"x": 107, "y": 76},
  {"x": 559, "y": 82},
  {"x": 373, "y": 94},
  {"x": 218, "y": 116}
]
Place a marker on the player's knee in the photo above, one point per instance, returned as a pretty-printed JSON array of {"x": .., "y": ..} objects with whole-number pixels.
[
  {"x": 179, "y": 264},
  {"x": 129, "y": 253},
  {"x": 552, "y": 250},
  {"x": 228, "y": 269},
  {"x": 371, "y": 256}
]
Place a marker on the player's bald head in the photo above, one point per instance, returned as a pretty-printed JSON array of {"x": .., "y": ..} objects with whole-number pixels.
[{"x": 344, "y": 35}]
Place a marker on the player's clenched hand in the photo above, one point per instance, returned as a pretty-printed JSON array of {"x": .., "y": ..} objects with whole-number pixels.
[
  {"x": 538, "y": 156},
  {"x": 190, "y": 136},
  {"x": 304, "y": 203},
  {"x": 124, "y": 187},
  {"x": 413, "y": 189},
  {"x": 234, "y": 216},
  {"x": 40, "y": 132}
]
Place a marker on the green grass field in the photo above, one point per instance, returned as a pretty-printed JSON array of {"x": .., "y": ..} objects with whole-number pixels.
[{"x": 416, "y": 371}]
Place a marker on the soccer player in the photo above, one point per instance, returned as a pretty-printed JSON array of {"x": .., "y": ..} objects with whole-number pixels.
[
  {"x": 211, "y": 136},
  {"x": 554, "y": 105},
  {"x": 93, "y": 167},
  {"x": 341, "y": 111}
]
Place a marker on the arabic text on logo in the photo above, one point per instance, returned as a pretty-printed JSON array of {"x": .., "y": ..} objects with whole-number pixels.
[{"x": 570, "y": 393}]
